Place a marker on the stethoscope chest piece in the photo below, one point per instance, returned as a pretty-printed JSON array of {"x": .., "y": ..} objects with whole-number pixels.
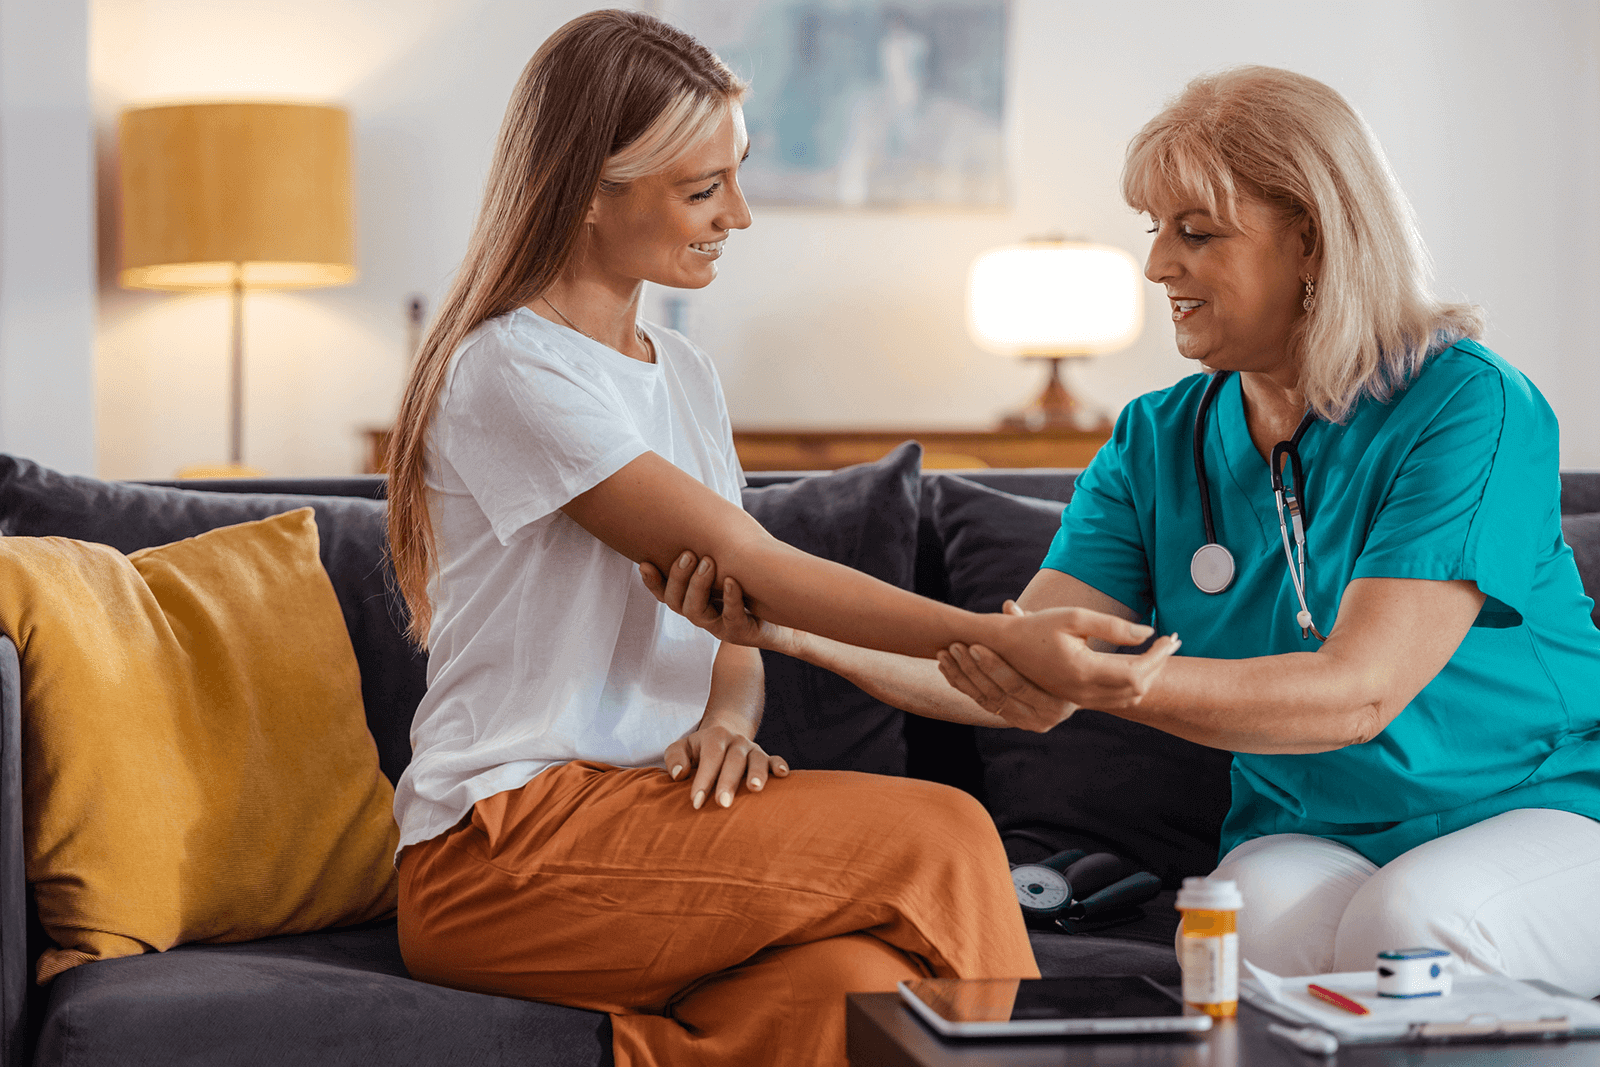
[{"x": 1211, "y": 567}]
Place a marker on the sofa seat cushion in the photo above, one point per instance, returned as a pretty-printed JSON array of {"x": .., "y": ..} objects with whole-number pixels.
[
  {"x": 1142, "y": 947},
  {"x": 329, "y": 998},
  {"x": 1091, "y": 956}
]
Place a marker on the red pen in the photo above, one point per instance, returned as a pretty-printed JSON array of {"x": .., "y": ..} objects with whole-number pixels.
[{"x": 1338, "y": 1000}]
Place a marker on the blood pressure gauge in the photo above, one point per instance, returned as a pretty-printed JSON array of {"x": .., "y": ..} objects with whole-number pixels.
[{"x": 1042, "y": 888}]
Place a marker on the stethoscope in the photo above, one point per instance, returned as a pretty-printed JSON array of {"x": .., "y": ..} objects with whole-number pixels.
[{"x": 1212, "y": 565}]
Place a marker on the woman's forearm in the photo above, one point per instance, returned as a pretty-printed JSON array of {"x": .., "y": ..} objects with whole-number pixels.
[
  {"x": 1293, "y": 703},
  {"x": 791, "y": 588},
  {"x": 652, "y": 511},
  {"x": 1391, "y": 638},
  {"x": 738, "y": 690},
  {"x": 910, "y": 684}
]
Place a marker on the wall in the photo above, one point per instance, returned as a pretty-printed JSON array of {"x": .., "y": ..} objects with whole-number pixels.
[
  {"x": 1490, "y": 113},
  {"x": 46, "y": 240}
]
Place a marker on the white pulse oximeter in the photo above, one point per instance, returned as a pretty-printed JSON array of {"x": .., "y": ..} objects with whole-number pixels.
[{"x": 1414, "y": 972}]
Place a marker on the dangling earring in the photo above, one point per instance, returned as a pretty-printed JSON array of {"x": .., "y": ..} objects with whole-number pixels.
[{"x": 1311, "y": 294}]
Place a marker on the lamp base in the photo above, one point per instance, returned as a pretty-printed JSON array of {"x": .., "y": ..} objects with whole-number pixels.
[
  {"x": 219, "y": 470},
  {"x": 1055, "y": 408}
]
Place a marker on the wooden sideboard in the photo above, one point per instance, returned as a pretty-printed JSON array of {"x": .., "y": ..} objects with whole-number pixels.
[
  {"x": 814, "y": 450},
  {"x": 826, "y": 450}
]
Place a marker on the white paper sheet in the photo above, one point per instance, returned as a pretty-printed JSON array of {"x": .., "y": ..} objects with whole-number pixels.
[{"x": 1489, "y": 1000}]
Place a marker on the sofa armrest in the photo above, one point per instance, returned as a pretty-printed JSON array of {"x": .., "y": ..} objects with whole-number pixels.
[{"x": 14, "y": 978}]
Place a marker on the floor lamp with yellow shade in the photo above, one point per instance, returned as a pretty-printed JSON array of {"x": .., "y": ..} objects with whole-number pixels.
[{"x": 235, "y": 196}]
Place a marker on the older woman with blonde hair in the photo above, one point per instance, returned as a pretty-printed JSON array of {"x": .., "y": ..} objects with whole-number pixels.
[{"x": 1352, "y": 517}]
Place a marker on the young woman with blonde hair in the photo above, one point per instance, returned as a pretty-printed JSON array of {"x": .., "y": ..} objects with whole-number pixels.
[
  {"x": 556, "y": 840},
  {"x": 1396, "y": 646}
]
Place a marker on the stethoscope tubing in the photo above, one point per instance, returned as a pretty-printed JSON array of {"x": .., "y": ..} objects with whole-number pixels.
[{"x": 1212, "y": 568}]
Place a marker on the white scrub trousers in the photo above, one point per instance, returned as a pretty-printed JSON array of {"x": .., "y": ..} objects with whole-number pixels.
[{"x": 1517, "y": 894}]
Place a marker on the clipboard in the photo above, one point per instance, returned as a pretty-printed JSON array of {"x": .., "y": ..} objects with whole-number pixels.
[{"x": 1482, "y": 1008}]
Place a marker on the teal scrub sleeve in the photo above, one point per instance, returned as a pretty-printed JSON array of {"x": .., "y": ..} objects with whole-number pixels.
[
  {"x": 1101, "y": 541},
  {"x": 1471, "y": 498}
]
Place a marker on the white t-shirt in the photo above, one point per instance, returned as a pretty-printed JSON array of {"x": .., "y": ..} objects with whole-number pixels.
[{"x": 545, "y": 646}]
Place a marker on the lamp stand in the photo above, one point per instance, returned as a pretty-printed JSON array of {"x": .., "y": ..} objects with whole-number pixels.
[
  {"x": 235, "y": 467},
  {"x": 1055, "y": 408}
]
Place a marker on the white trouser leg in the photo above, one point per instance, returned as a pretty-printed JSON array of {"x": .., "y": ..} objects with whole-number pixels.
[
  {"x": 1295, "y": 890},
  {"x": 1518, "y": 894}
]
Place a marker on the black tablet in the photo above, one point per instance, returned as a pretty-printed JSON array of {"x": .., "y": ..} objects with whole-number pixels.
[{"x": 1029, "y": 1007}]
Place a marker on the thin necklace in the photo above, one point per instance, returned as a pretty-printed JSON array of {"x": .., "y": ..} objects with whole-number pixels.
[{"x": 638, "y": 330}]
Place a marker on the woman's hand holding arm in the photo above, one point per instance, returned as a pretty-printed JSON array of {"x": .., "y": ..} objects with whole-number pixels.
[
  {"x": 1392, "y": 636},
  {"x": 650, "y": 511},
  {"x": 911, "y": 684},
  {"x": 904, "y": 682},
  {"x": 722, "y": 750}
]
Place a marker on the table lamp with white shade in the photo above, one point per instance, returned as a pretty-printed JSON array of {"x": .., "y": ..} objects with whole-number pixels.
[
  {"x": 1054, "y": 299},
  {"x": 236, "y": 196}
]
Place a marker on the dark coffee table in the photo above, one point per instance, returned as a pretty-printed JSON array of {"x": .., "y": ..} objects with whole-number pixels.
[{"x": 882, "y": 1032}]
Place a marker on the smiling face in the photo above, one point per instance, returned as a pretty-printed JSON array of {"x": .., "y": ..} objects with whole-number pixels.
[
  {"x": 1235, "y": 290},
  {"x": 669, "y": 227}
]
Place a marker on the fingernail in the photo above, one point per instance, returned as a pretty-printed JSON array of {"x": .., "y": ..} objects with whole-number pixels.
[
  {"x": 699, "y": 799},
  {"x": 755, "y": 785},
  {"x": 686, "y": 559},
  {"x": 677, "y": 771},
  {"x": 1143, "y": 630},
  {"x": 725, "y": 799},
  {"x": 705, "y": 565}
]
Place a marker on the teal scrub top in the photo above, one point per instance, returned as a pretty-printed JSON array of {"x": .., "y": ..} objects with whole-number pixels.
[{"x": 1456, "y": 477}]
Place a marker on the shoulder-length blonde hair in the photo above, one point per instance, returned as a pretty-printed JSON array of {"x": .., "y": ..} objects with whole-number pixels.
[
  {"x": 1294, "y": 143},
  {"x": 611, "y": 97}
]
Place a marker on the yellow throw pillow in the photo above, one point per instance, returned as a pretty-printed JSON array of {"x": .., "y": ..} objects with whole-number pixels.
[{"x": 196, "y": 762}]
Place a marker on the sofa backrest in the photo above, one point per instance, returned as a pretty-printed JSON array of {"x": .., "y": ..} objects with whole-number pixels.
[{"x": 35, "y": 501}]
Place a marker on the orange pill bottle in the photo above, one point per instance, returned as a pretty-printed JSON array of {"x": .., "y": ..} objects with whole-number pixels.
[{"x": 1208, "y": 945}]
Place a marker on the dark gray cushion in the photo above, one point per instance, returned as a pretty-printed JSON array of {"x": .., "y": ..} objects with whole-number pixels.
[
  {"x": 1095, "y": 782},
  {"x": 864, "y": 517},
  {"x": 336, "y": 997},
  {"x": 38, "y": 502},
  {"x": 1091, "y": 956},
  {"x": 1582, "y": 534},
  {"x": 1141, "y": 947},
  {"x": 1580, "y": 492}
]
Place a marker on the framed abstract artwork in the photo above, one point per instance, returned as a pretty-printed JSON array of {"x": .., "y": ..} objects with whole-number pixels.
[{"x": 865, "y": 103}]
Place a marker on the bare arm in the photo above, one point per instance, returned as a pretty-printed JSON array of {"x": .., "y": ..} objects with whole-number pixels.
[
  {"x": 650, "y": 511},
  {"x": 1393, "y": 635},
  {"x": 911, "y": 684}
]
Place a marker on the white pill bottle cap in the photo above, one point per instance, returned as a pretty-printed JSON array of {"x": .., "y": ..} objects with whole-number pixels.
[{"x": 1208, "y": 894}]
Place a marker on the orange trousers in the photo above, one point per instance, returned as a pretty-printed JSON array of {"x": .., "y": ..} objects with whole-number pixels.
[{"x": 719, "y": 936}]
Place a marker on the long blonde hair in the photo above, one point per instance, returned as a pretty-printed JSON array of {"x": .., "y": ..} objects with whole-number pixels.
[
  {"x": 1294, "y": 143},
  {"x": 610, "y": 97}
]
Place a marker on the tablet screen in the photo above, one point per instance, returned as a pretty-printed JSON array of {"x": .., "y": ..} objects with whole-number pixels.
[{"x": 1012, "y": 999}]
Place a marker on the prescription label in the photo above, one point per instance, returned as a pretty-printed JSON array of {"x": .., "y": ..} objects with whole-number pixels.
[{"x": 1210, "y": 969}]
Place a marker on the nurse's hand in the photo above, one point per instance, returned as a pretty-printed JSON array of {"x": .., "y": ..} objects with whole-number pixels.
[
  {"x": 723, "y": 759},
  {"x": 688, "y": 590},
  {"x": 1055, "y": 645}
]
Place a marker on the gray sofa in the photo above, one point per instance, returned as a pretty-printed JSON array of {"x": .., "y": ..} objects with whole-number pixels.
[{"x": 343, "y": 996}]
